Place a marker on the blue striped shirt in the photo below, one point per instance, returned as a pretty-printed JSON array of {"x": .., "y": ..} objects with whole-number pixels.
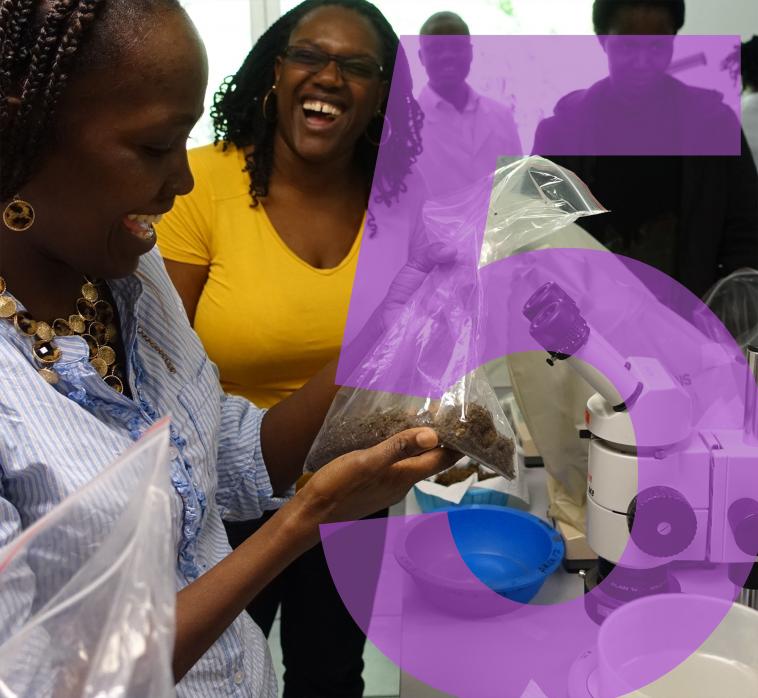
[{"x": 53, "y": 440}]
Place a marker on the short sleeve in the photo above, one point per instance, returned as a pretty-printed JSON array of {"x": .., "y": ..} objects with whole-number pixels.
[{"x": 185, "y": 232}]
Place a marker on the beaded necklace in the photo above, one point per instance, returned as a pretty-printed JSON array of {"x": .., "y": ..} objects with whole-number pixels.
[{"x": 93, "y": 322}]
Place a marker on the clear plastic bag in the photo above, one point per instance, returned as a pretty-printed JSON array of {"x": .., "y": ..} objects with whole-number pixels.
[
  {"x": 531, "y": 199},
  {"x": 467, "y": 418},
  {"x": 429, "y": 346},
  {"x": 734, "y": 300},
  {"x": 87, "y": 594}
]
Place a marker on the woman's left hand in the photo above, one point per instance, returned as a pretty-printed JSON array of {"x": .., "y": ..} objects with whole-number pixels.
[{"x": 363, "y": 482}]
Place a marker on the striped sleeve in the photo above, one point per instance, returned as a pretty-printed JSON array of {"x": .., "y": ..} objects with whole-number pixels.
[
  {"x": 244, "y": 488},
  {"x": 16, "y": 579},
  {"x": 21, "y": 647}
]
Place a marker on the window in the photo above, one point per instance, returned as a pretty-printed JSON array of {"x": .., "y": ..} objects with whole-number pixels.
[{"x": 225, "y": 28}]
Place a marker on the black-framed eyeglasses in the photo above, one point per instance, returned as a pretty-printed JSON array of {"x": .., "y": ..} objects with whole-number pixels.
[{"x": 314, "y": 60}]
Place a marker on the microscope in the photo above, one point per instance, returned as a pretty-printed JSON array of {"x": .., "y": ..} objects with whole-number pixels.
[{"x": 700, "y": 509}]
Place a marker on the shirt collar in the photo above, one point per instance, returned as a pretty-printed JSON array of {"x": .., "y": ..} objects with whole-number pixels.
[
  {"x": 127, "y": 292},
  {"x": 431, "y": 102}
]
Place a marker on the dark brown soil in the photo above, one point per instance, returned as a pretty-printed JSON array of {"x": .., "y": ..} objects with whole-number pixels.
[
  {"x": 476, "y": 437},
  {"x": 354, "y": 433},
  {"x": 453, "y": 475},
  {"x": 485, "y": 473}
]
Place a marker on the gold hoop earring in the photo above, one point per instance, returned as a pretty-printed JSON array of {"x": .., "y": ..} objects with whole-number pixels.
[
  {"x": 386, "y": 131},
  {"x": 18, "y": 215},
  {"x": 264, "y": 106}
]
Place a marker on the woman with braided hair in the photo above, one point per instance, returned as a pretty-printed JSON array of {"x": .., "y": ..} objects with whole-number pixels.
[
  {"x": 275, "y": 224},
  {"x": 97, "y": 98}
]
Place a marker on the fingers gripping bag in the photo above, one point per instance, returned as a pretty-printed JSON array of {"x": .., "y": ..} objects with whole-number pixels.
[
  {"x": 423, "y": 370},
  {"x": 87, "y": 594}
]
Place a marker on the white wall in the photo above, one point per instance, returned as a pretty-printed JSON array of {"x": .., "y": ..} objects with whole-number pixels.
[
  {"x": 263, "y": 13},
  {"x": 225, "y": 27},
  {"x": 485, "y": 17},
  {"x": 722, "y": 17},
  {"x": 545, "y": 16}
]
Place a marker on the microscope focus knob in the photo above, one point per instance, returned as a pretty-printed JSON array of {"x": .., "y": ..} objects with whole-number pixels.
[
  {"x": 743, "y": 520},
  {"x": 661, "y": 521}
]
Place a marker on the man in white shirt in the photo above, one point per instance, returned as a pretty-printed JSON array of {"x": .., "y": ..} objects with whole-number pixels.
[{"x": 464, "y": 132}]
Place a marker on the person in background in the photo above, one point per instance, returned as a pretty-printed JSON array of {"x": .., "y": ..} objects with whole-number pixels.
[
  {"x": 97, "y": 99},
  {"x": 459, "y": 123},
  {"x": 264, "y": 253},
  {"x": 749, "y": 69},
  {"x": 693, "y": 217}
]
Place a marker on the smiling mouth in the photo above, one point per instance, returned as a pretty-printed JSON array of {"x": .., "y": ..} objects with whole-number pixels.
[
  {"x": 141, "y": 226},
  {"x": 320, "y": 113}
]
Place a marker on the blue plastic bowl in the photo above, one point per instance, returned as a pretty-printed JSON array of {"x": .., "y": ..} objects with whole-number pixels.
[
  {"x": 510, "y": 551},
  {"x": 475, "y": 495}
]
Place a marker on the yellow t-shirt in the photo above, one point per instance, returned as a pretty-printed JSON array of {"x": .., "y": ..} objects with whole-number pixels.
[{"x": 268, "y": 319}]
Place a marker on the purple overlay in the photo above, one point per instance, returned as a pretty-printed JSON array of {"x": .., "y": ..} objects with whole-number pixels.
[
  {"x": 616, "y": 95},
  {"x": 652, "y": 347},
  {"x": 703, "y": 460}
]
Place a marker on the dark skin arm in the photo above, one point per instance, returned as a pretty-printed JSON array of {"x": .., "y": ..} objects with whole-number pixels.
[
  {"x": 189, "y": 280},
  {"x": 346, "y": 489},
  {"x": 349, "y": 488},
  {"x": 290, "y": 427}
]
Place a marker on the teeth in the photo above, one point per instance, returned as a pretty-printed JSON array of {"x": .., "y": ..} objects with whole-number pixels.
[
  {"x": 145, "y": 218},
  {"x": 323, "y": 107}
]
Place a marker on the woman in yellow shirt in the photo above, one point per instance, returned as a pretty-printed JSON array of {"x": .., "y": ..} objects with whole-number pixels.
[
  {"x": 272, "y": 232},
  {"x": 255, "y": 284}
]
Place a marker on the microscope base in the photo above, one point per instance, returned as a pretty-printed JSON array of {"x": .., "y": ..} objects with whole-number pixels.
[{"x": 624, "y": 585}]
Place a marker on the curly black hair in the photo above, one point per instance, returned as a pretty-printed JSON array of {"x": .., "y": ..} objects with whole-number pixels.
[
  {"x": 749, "y": 63},
  {"x": 603, "y": 11},
  {"x": 238, "y": 116},
  {"x": 742, "y": 63},
  {"x": 42, "y": 43}
]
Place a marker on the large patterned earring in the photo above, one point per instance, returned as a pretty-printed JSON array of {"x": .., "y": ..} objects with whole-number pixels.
[{"x": 18, "y": 215}]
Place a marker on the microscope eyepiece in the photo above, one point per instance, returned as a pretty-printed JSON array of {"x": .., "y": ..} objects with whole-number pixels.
[
  {"x": 545, "y": 295},
  {"x": 557, "y": 324},
  {"x": 560, "y": 328}
]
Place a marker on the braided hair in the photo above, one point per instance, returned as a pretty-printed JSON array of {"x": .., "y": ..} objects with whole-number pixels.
[
  {"x": 238, "y": 116},
  {"x": 42, "y": 44}
]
